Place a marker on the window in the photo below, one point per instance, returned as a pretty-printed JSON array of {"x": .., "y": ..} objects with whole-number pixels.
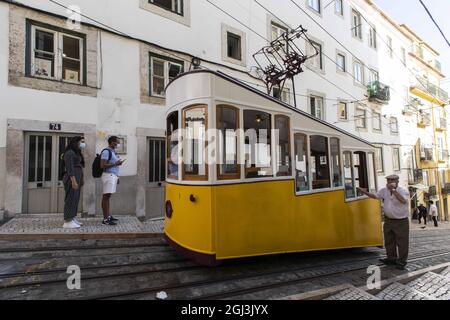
[
  {"x": 394, "y": 125},
  {"x": 372, "y": 172},
  {"x": 227, "y": 126},
  {"x": 372, "y": 37},
  {"x": 340, "y": 61},
  {"x": 57, "y": 55},
  {"x": 376, "y": 121},
  {"x": 396, "y": 159},
  {"x": 315, "y": 5},
  {"x": 282, "y": 95},
  {"x": 283, "y": 152},
  {"x": 335, "y": 155},
  {"x": 175, "y": 6},
  {"x": 316, "y": 105},
  {"x": 157, "y": 161},
  {"x": 257, "y": 127},
  {"x": 301, "y": 162},
  {"x": 361, "y": 118},
  {"x": 162, "y": 71},
  {"x": 343, "y": 112},
  {"x": 403, "y": 55},
  {"x": 390, "y": 49},
  {"x": 172, "y": 145},
  {"x": 339, "y": 7},
  {"x": 320, "y": 167},
  {"x": 276, "y": 30},
  {"x": 425, "y": 178},
  {"x": 356, "y": 24},
  {"x": 379, "y": 164},
  {"x": 358, "y": 72},
  {"x": 314, "y": 50},
  {"x": 360, "y": 168},
  {"x": 373, "y": 76},
  {"x": 349, "y": 182},
  {"x": 194, "y": 150},
  {"x": 234, "y": 46}
]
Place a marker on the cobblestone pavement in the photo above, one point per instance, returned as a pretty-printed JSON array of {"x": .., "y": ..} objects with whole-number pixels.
[
  {"x": 352, "y": 294},
  {"x": 52, "y": 224},
  {"x": 398, "y": 291},
  {"x": 432, "y": 284}
]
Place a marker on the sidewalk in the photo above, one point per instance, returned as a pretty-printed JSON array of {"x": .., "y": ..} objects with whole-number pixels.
[{"x": 49, "y": 226}]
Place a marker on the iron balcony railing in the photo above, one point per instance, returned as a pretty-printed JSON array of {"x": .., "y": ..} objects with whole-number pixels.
[
  {"x": 434, "y": 90},
  {"x": 432, "y": 191},
  {"x": 442, "y": 125},
  {"x": 424, "y": 119},
  {"x": 426, "y": 154},
  {"x": 379, "y": 92},
  {"x": 415, "y": 176},
  {"x": 446, "y": 189}
]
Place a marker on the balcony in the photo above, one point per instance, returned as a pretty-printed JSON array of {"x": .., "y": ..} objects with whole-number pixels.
[
  {"x": 424, "y": 120},
  {"x": 415, "y": 176},
  {"x": 442, "y": 124},
  {"x": 432, "y": 192},
  {"x": 379, "y": 92},
  {"x": 426, "y": 154},
  {"x": 411, "y": 106},
  {"x": 446, "y": 189},
  {"x": 429, "y": 91}
]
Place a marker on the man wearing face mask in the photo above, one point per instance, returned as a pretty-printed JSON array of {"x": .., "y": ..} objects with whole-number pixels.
[
  {"x": 110, "y": 164},
  {"x": 396, "y": 225}
]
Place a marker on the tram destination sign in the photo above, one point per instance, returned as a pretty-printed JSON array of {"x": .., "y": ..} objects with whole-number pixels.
[{"x": 55, "y": 126}]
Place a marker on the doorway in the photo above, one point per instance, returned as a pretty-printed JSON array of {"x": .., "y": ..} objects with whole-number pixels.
[{"x": 155, "y": 195}]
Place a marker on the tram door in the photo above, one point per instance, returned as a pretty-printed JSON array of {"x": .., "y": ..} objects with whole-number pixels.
[
  {"x": 44, "y": 190},
  {"x": 155, "y": 196}
]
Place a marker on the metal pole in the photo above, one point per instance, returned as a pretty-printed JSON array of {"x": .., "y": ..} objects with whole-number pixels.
[{"x": 293, "y": 90}]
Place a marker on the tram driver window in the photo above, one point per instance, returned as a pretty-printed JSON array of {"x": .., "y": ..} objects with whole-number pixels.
[
  {"x": 348, "y": 176},
  {"x": 194, "y": 150},
  {"x": 301, "y": 162},
  {"x": 360, "y": 165},
  {"x": 172, "y": 145},
  {"x": 320, "y": 166},
  {"x": 227, "y": 125},
  {"x": 257, "y": 130},
  {"x": 283, "y": 146}
]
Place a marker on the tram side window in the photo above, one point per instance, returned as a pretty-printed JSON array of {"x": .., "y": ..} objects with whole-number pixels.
[
  {"x": 257, "y": 127},
  {"x": 172, "y": 145},
  {"x": 283, "y": 148},
  {"x": 336, "y": 162},
  {"x": 319, "y": 162},
  {"x": 301, "y": 162},
  {"x": 360, "y": 165},
  {"x": 372, "y": 172},
  {"x": 227, "y": 126},
  {"x": 348, "y": 176},
  {"x": 194, "y": 149}
]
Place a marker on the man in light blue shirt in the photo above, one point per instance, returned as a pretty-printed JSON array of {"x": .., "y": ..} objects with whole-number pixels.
[{"x": 110, "y": 164}]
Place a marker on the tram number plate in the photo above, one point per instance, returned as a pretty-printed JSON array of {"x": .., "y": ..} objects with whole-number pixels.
[{"x": 55, "y": 126}]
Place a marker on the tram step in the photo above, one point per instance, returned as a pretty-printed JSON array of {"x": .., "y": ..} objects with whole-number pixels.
[
  {"x": 446, "y": 272},
  {"x": 352, "y": 293},
  {"x": 398, "y": 291},
  {"x": 433, "y": 285}
]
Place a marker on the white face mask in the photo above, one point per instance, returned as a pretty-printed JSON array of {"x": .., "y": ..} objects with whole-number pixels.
[
  {"x": 82, "y": 145},
  {"x": 118, "y": 146}
]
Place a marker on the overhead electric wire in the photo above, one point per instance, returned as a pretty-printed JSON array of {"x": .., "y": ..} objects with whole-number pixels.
[{"x": 434, "y": 21}]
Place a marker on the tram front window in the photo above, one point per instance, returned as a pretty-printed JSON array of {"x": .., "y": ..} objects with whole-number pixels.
[
  {"x": 227, "y": 125},
  {"x": 194, "y": 162},
  {"x": 336, "y": 162},
  {"x": 319, "y": 162},
  {"x": 283, "y": 147},
  {"x": 172, "y": 145},
  {"x": 257, "y": 127},
  {"x": 301, "y": 162}
]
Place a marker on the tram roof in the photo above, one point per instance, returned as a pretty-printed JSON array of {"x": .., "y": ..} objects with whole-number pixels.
[{"x": 269, "y": 97}]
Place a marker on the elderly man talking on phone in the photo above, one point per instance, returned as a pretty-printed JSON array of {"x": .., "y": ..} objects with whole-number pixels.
[{"x": 396, "y": 225}]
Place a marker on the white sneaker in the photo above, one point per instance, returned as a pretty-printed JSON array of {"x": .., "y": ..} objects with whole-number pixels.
[
  {"x": 77, "y": 222},
  {"x": 71, "y": 225}
]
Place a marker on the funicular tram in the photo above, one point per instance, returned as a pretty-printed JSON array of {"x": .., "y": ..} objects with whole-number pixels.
[{"x": 300, "y": 195}]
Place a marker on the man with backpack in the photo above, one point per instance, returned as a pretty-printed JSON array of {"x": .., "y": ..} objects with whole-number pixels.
[{"x": 106, "y": 166}]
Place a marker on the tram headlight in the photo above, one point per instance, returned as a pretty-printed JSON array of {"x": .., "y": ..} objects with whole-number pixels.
[{"x": 169, "y": 209}]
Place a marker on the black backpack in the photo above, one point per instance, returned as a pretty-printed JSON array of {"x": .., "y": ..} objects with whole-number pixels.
[{"x": 97, "y": 171}]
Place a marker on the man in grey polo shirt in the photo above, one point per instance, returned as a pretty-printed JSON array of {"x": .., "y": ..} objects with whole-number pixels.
[{"x": 396, "y": 225}]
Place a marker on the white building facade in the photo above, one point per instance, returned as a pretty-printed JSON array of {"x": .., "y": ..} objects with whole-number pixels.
[{"x": 106, "y": 76}]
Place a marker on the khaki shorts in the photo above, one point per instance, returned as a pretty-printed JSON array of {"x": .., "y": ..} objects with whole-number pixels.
[{"x": 109, "y": 183}]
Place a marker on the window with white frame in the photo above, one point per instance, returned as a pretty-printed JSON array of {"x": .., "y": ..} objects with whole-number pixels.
[
  {"x": 276, "y": 30},
  {"x": 373, "y": 76},
  {"x": 358, "y": 72},
  {"x": 376, "y": 121},
  {"x": 356, "y": 24},
  {"x": 396, "y": 159},
  {"x": 315, "y": 5},
  {"x": 320, "y": 167},
  {"x": 283, "y": 95},
  {"x": 361, "y": 118},
  {"x": 393, "y": 124},
  {"x": 340, "y": 61},
  {"x": 314, "y": 50},
  {"x": 372, "y": 37},
  {"x": 342, "y": 111},
  {"x": 349, "y": 180},
  {"x": 175, "y": 6},
  {"x": 390, "y": 48},
  {"x": 403, "y": 55},
  {"x": 339, "y": 7},
  {"x": 57, "y": 55},
  {"x": 162, "y": 71},
  {"x": 379, "y": 163},
  {"x": 301, "y": 162},
  {"x": 316, "y": 105}
]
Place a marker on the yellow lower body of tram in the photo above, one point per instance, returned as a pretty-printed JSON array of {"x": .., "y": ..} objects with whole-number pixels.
[{"x": 214, "y": 223}]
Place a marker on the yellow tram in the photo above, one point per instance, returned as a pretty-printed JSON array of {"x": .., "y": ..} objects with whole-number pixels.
[{"x": 293, "y": 191}]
